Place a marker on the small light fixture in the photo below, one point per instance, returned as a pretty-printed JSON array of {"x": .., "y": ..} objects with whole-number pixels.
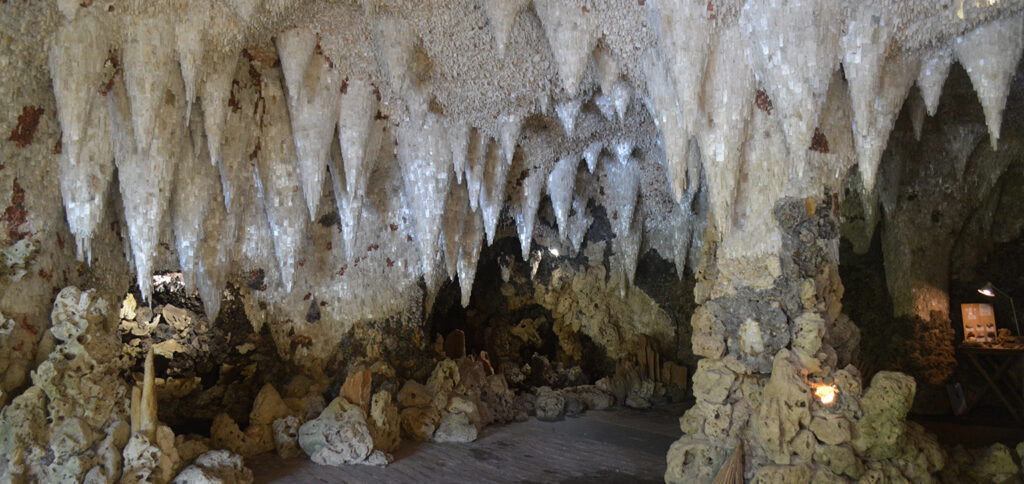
[
  {"x": 553, "y": 251},
  {"x": 990, "y": 290}
]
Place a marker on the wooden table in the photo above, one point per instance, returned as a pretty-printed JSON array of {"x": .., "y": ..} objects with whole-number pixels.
[{"x": 993, "y": 362}]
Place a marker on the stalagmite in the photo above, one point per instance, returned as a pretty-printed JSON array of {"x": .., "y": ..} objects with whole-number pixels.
[
  {"x": 561, "y": 185},
  {"x": 149, "y": 67},
  {"x": 135, "y": 410},
  {"x": 793, "y": 48},
  {"x": 572, "y": 35},
  {"x": 990, "y": 53},
  {"x": 567, "y": 112},
  {"x": 686, "y": 36},
  {"x": 359, "y": 135},
  {"x": 529, "y": 201},
  {"x": 458, "y": 138},
  {"x": 934, "y": 69},
  {"x": 147, "y": 410},
  {"x": 729, "y": 99},
  {"x": 668, "y": 117},
  {"x": 502, "y": 15},
  {"x": 146, "y": 175},
  {"x": 426, "y": 174},
  {"x": 278, "y": 178}
]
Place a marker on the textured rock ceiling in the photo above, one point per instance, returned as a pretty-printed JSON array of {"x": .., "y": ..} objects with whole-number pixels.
[{"x": 432, "y": 122}]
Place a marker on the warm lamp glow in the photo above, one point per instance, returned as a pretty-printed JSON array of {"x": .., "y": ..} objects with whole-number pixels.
[
  {"x": 826, "y": 393},
  {"x": 986, "y": 292}
]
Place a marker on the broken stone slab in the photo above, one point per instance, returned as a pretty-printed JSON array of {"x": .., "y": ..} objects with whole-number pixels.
[
  {"x": 357, "y": 387},
  {"x": 338, "y": 436}
]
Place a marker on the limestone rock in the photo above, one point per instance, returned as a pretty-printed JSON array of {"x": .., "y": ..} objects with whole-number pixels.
[
  {"x": 455, "y": 427},
  {"x": 831, "y": 430},
  {"x": 994, "y": 464},
  {"x": 880, "y": 432},
  {"x": 442, "y": 382},
  {"x": 414, "y": 394},
  {"x": 712, "y": 381},
  {"x": 384, "y": 423},
  {"x": 550, "y": 404},
  {"x": 216, "y": 467},
  {"x": 338, "y": 436},
  {"x": 784, "y": 409},
  {"x": 592, "y": 397},
  {"x": 286, "y": 436},
  {"x": 840, "y": 460},
  {"x": 357, "y": 387},
  {"x": 420, "y": 423},
  {"x": 268, "y": 407},
  {"x": 694, "y": 460}
]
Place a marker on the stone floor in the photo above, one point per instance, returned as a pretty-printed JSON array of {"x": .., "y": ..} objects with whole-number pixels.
[{"x": 609, "y": 446}]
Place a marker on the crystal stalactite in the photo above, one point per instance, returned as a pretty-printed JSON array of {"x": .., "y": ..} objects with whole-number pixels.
[
  {"x": 455, "y": 213},
  {"x": 476, "y": 167},
  {"x": 502, "y": 15},
  {"x": 295, "y": 49},
  {"x": 189, "y": 206},
  {"x": 469, "y": 253},
  {"x": 664, "y": 107},
  {"x": 359, "y": 135},
  {"x": 686, "y": 33},
  {"x": 239, "y": 141},
  {"x": 190, "y": 45},
  {"x": 149, "y": 66},
  {"x": 591, "y": 153},
  {"x": 871, "y": 134},
  {"x": 215, "y": 93},
  {"x": 621, "y": 192},
  {"x": 622, "y": 95},
  {"x": 492, "y": 190},
  {"x": 348, "y": 213},
  {"x": 528, "y": 203},
  {"x": 608, "y": 69},
  {"x": 458, "y": 139},
  {"x": 561, "y": 187},
  {"x": 508, "y": 135},
  {"x": 86, "y": 160},
  {"x": 572, "y": 35},
  {"x": 567, "y": 112},
  {"x": 213, "y": 261},
  {"x": 313, "y": 109},
  {"x": 989, "y": 54},
  {"x": 278, "y": 177},
  {"x": 793, "y": 46},
  {"x": 934, "y": 69},
  {"x": 606, "y": 105},
  {"x": 425, "y": 160},
  {"x": 578, "y": 223},
  {"x": 146, "y": 175},
  {"x": 728, "y": 111}
]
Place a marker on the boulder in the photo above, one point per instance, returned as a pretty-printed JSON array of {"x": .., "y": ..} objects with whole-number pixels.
[{"x": 338, "y": 436}]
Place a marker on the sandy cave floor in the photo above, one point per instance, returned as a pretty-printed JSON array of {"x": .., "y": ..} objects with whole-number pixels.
[{"x": 618, "y": 445}]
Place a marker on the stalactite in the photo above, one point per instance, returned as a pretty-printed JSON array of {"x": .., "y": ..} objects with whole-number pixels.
[
  {"x": 426, "y": 172},
  {"x": 502, "y": 15},
  {"x": 561, "y": 185},
  {"x": 456, "y": 212},
  {"x": 189, "y": 206},
  {"x": 990, "y": 53},
  {"x": 278, "y": 177},
  {"x": 934, "y": 68},
  {"x": 567, "y": 112},
  {"x": 665, "y": 110},
  {"x": 528, "y": 203},
  {"x": 686, "y": 35},
  {"x": 150, "y": 65},
  {"x": 572, "y": 35},
  {"x": 86, "y": 161},
  {"x": 359, "y": 135}
]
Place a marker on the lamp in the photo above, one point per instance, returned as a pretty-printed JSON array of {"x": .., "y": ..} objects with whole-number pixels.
[{"x": 990, "y": 290}]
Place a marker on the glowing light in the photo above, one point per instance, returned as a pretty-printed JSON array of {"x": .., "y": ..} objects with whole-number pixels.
[
  {"x": 553, "y": 251},
  {"x": 986, "y": 292},
  {"x": 826, "y": 393}
]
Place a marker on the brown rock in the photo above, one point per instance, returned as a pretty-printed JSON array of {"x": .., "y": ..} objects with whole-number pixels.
[
  {"x": 455, "y": 344},
  {"x": 357, "y": 387}
]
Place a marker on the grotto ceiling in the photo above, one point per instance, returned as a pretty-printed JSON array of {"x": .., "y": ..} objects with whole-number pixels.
[{"x": 347, "y": 158}]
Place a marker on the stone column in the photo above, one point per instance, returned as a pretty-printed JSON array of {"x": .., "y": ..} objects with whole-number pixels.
[{"x": 770, "y": 329}]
